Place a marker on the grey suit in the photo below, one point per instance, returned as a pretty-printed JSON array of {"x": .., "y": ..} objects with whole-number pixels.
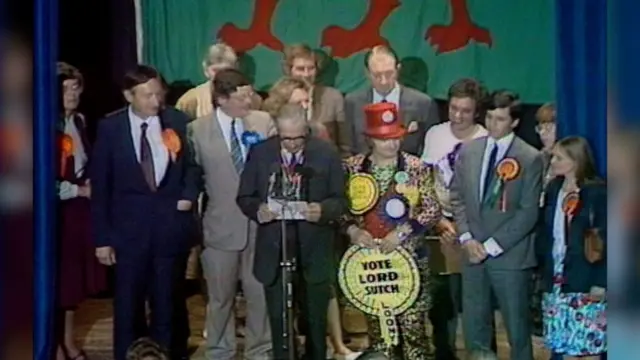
[
  {"x": 508, "y": 274},
  {"x": 229, "y": 243},
  {"x": 414, "y": 107}
]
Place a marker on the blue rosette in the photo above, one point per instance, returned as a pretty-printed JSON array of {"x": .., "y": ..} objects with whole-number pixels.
[
  {"x": 250, "y": 138},
  {"x": 395, "y": 210}
]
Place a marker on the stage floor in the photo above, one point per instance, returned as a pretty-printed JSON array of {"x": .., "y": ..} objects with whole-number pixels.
[{"x": 94, "y": 331}]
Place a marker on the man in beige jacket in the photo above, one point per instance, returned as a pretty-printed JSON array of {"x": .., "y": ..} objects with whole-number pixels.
[
  {"x": 221, "y": 141},
  {"x": 197, "y": 101}
]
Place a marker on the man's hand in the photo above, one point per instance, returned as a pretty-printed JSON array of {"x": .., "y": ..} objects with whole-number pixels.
[
  {"x": 361, "y": 237},
  {"x": 313, "y": 212},
  {"x": 447, "y": 232},
  {"x": 390, "y": 242},
  {"x": 184, "y": 205},
  {"x": 85, "y": 191},
  {"x": 475, "y": 251},
  {"x": 106, "y": 255},
  {"x": 265, "y": 215}
]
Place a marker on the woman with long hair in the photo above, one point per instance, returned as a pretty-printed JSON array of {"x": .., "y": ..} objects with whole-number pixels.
[
  {"x": 79, "y": 273},
  {"x": 571, "y": 248}
]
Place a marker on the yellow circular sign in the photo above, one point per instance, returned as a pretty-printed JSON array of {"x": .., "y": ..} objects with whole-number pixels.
[
  {"x": 363, "y": 193},
  {"x": 375, "y": 282},
  {"x": 413, "y": 195}
]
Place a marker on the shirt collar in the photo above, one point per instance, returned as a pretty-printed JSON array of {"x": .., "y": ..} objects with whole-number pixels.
[
  {"x": 503, "y": 142},
  {"x": 393, "y": 94},
  {"x": 223, "y": 117},
  {"x": 138, "y": 120}
]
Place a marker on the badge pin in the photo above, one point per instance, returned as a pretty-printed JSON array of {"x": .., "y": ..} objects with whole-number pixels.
[{"x": 401, "y": 177}]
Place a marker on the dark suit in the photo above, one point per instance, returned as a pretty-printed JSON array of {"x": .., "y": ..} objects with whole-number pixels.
[
  {"x": 314, "y": 241},
  {"x": 151, "y": 238},
  {"x": 414, "y": 107},
  {"x": 579, "y": 274}
]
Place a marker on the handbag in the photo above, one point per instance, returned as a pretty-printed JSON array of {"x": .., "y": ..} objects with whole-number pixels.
[{"x": 593, "y": 243}]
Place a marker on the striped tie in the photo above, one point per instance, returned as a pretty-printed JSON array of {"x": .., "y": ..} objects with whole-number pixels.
[{"x": 236, "y": 149}]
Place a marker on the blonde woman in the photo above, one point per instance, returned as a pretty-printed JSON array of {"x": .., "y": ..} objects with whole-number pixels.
[{"x": 289, "y": 90}]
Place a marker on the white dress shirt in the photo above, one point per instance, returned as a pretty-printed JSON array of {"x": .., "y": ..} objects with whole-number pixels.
[
  {"x": 225, "y": 121},
  {"x": 392, "y": 97},
  {"x": 559, "y": 243},
  {"x": 67, "y": 190},
  {"x": 491, "y": 246},
  {"x": 503, "y": 145},
  {"x": 287, "y": 157},
  {"x": 160, "y": 154}
]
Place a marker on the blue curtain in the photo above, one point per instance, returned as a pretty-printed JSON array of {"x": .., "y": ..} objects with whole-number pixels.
[
  {"x": 45, "y": 111},
  {"x": 581, "y": 73}
]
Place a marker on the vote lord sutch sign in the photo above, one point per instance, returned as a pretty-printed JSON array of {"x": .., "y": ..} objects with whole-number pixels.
[{"x": 383, "y": 285}]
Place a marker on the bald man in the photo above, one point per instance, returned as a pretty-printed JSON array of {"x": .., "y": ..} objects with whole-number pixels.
[
  {"x": 417, "y": 110},
  {"x": 310, "y": 241}
]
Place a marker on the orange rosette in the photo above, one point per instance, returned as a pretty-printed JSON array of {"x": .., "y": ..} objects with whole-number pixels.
[
  {"x": 571, "y": 203},
  {"x": 508, "y": 169},
  {"x": 172, "y": 142},
  {"x": 66, "y": 151}
]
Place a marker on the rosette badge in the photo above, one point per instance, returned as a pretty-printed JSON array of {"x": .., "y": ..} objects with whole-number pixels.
[
  {"x": 250, "y": 138},
  {"x": 172, "y": 142},
  {"x": 507, "y": 170},
  {"x": 571, "y": 204}
]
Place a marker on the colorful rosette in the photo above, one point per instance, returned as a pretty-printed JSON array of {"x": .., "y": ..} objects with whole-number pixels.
[
  {"x": 250, "y": 138},
  {"x": 394, "y": 210}
]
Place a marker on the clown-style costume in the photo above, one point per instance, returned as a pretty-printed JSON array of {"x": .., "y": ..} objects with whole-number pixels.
[{"x": 406, "y": 200}]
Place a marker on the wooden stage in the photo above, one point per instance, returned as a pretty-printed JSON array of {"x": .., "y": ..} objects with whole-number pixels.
[{"x": 94, "y": 331}]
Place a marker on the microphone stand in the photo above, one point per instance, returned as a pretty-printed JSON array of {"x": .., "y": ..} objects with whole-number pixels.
[{"x": 287, "y": 268}]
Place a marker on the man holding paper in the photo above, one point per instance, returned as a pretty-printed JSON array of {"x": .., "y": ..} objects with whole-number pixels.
[
  {"x": 495, "y": 194},
  {"x": 295, "y": 168}
]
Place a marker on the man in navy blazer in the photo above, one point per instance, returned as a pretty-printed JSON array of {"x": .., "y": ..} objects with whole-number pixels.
[{"x": 144, "y": 184}]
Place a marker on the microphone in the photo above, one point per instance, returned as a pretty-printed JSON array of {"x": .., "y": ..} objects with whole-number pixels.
[{"x": 275, "y": 179}]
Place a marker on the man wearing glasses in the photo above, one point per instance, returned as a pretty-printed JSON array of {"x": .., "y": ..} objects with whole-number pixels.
[{"x": 314, "y": 166}]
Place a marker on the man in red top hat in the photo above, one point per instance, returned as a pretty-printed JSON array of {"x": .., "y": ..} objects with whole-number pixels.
[{"x": 392, "y": 217}]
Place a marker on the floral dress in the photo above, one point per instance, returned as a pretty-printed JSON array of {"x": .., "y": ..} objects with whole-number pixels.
[
  {"x": 414, "y": 342},
  {"x": 573, "y": 324}
]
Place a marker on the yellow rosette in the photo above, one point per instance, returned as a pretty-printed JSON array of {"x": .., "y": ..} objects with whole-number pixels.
[
  {"x": 363, "y": 193},
  {"x": 384, "y": 285}
]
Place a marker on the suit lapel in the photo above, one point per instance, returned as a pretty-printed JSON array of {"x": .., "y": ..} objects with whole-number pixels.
[
  {"x": 404, "y": 104},
  {"x": 166, "y": 123},
  {"x": 316, "y": 102},
  {"x": 219, "y": 141},
  {"x": 131, "y": 149},
  {"x": 476, "y": 171},
  {"x": 369, "y": 96}
]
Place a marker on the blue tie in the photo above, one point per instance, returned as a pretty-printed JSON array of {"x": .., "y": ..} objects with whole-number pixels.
[
  {"x": 491, "y": 171},
  {"x": 236, "y": 149}
]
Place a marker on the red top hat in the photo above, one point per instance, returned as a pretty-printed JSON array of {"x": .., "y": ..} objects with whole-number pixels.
[{"x": 382, "y": 121}]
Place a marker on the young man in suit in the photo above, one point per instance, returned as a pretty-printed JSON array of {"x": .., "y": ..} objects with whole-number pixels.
[
  {"x": 144, "y": 184},
  {"x": 293, "y": 153},
  {"x": 495, "y": 195},
  {"x": 220, "y": 144},
  {"x": 418, "y": 111}
]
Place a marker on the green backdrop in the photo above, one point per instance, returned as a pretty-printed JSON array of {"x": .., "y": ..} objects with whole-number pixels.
[{"x": 521, "y": 56}]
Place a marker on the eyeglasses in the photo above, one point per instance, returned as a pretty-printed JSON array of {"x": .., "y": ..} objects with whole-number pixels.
[
  {"x": 545, "y": 128},
  {"x": 297, "y": 138}
]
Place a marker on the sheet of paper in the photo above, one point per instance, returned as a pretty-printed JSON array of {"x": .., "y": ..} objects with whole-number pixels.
[
  {"x": 287, "y": 210},
  {"x": 492, "y": 247}
]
